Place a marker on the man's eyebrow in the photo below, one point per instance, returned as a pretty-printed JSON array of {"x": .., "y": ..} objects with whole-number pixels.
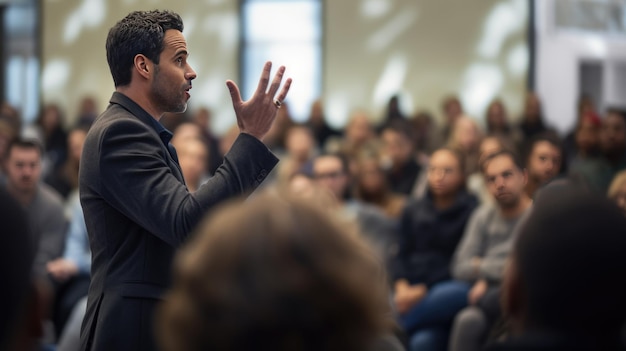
[{"x": 181, "y": 52}]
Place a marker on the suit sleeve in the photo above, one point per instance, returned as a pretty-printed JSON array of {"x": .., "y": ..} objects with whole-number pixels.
[{"x": 137, "y": 180}]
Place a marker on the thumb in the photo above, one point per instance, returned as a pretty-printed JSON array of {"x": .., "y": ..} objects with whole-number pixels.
[{"x": 235, "y": 95}]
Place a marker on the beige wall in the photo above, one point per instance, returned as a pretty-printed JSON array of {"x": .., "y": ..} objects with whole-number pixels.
[
  {"x": 424, "y": 50},
  {"x": 74, "y": 61},
  {"x": 372, "y": 50}
]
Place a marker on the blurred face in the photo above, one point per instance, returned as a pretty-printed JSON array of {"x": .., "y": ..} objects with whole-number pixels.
[
  {"x": 173, "y": 75},
  {"x": 452, "y": 110},
  {"x": 505, "y": 181},
  {"x": 51, "y": 118},
  {"x": 532, "y": 107},
  {"x": 466, "y": 134},
  {"x": 613, "y": 134},
  {"x": 329, "y": 173},
  {"x": 397, "y": 147},
  {"x": 587, "y": 137},
  {"x": 544, "y": 162},
  {"x": 192, "y": 156},
  {"x": 445, "y": 176},
  {"x": 359, "y": 129},
  {"x": 23, "y": 169},
  {"x": 495, "y": 116},
  {"x": 299, "y": 143},
  {"x": 75, "y": 142},
  {"x": 371, "y": 177}
]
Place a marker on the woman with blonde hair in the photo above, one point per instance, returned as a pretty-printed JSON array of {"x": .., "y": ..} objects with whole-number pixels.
[{"x": 466, "y": 137}]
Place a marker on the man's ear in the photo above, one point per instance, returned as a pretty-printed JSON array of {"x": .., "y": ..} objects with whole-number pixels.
[
  {"x": 512, "y": 299},
  {"x": 143, "y": 66}
]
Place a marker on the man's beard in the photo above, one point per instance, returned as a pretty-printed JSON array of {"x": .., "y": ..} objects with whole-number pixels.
[{"x": 167, "y": 98}]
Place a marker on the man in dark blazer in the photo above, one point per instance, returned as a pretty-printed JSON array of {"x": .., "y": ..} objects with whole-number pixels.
[{"x": 137, "y": 208}]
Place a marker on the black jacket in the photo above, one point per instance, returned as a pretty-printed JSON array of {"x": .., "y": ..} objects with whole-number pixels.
[
  {"x": 428, "y": 238},
  {"x": 138, "y": 211}
]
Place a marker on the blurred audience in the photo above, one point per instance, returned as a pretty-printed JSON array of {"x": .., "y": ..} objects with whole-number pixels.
[
  {"x": 532, "y": 121},
  {"x": 300, "y": 149},
  {"x": 331, "y": 174},
  {"x": 480, "y": 258},
  {"x": 357, "y": 133},
  {"x": 319, "y": 125},
  {"x": 306, "y": 284},
  {"x": 49, "y": 128},
  {"x": 398, "y": 149},
  {"x": 275, "y": 138},
  {"x": 544, "y": 159},
  {"x": 430, "y": 230},
  {"x": 65, "y": 178},
  {"x": 43, "y": 206},
  {"x": 599, "y": 172},
  {"x": 498, "y": 124},
  {"x": 192, "y": 158},
  {"x": 203, "y": 118},
  {"x": 466, "y": 137},
  {"x": 452, "y": 110},
  {"x": 372, "y": 185},
  {"x": 87, "y": 112}
]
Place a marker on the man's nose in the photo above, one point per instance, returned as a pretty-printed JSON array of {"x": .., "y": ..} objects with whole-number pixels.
[{"x": 190, "y": 74}]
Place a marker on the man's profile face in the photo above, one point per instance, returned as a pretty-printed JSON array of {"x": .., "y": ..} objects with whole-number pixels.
[
  {"x": 329, "y": 173},
  {"x": 505, "y": 181},
  {"x": 172, "y": 76},
  {"x": 23, "y": 168},
  {"x": 544, "y": 162}
]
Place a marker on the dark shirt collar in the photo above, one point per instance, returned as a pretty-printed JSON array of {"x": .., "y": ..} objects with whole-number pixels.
[{"x": 126, "y": 102}]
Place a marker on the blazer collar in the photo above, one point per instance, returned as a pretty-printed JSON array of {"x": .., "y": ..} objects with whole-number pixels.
[{"x": 127, "y": 103}]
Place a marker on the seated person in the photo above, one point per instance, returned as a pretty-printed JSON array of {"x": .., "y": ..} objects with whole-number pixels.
[
  {"x": 486, "y": 244},
  {"x": 274, "y": 273},
  {"x": 544, "y": 158},
  {"x": 430, "y": 230},
  {"x": 563, "y": 289}
]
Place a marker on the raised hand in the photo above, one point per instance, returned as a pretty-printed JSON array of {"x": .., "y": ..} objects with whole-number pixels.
[{"x": 256, "y": 115}]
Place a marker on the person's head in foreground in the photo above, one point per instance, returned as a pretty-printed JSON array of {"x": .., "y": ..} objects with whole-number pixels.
[
  {"x": 273, "y": 273},
  {"x": 21, "y": 299},
  {"x": 564, "y": 288}
]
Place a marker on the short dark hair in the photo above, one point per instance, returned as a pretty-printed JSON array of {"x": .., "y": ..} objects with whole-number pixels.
[
  {"x": 568, "y": 256},
  {"x": 508, "y": 153},
  {"x": 402, "y": 127},
  {"x": 345, "y": 162},
  {"x": 23, "y": 143},
  {"x": 140, "y": 32}
]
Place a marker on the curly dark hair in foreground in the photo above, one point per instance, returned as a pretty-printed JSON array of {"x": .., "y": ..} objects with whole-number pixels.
[{"x": 274, "y": 273}]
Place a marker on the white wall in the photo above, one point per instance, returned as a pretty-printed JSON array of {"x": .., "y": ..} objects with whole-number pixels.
[{"x": 559, "y": 54}]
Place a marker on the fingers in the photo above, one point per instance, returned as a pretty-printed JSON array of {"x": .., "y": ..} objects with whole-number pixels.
[
  {"x": 235, "y": 95},
  {"x": 284, "y": 91},
  {"x": 265, "y": 78},
  {"x": 276, "y": 82}
]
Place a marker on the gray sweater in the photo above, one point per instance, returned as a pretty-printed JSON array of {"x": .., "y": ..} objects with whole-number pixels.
[{"x": 489, "y": 236}]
